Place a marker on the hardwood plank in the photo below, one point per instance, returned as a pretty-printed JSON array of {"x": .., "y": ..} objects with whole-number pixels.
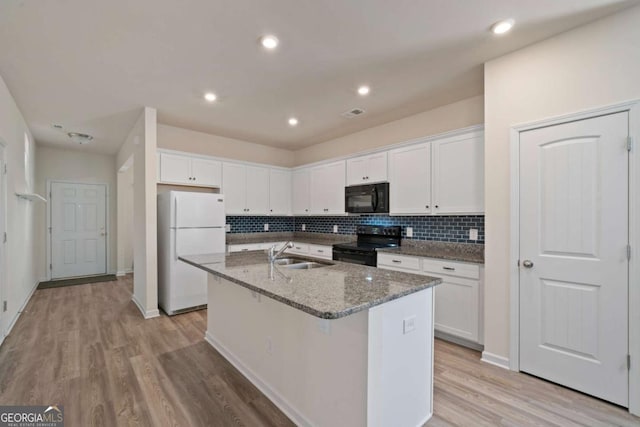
[{"x": 87, "y": 347}]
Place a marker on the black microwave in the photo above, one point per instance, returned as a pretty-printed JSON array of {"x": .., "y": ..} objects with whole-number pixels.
[{"x": 367, "y": 199}]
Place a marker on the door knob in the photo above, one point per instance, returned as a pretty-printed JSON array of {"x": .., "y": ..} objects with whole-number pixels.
[{"x": 527, "y": 264}]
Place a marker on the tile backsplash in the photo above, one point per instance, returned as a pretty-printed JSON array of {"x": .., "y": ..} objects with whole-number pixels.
[{"x": 439, "y": 228}]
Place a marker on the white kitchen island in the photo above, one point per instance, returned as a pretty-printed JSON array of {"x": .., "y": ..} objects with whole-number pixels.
[{"x": 341, "y": 345}]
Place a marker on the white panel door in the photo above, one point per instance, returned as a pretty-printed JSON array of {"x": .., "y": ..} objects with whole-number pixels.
[
  {"x": 234, "y": 188},
  {"x": 206, "y": 172},
  {"x": 257, "y": 190},
  {"x": 78, "y": 230},
  {"x": 300, "y": 192},
  {"x": 175, "y": 168},
  {"x": 458, "y": 175},
  {"x": 279, "y": 192},
  {"x": 573, "y": 255},
  {"x": 3, "y": 244},
  {"x": 410, "y": 179}
]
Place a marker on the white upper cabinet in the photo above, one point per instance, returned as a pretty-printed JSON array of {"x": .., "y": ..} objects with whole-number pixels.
[
  {"x": 300, "y": 192},
  {"x": 327, "y": 184},
  {"x": 280, "y": 192},
  {"x": 188, "y": 170},
  {"x": 246, "y": 189},
  {"x": 367, "y": 169},
  {"x": 458, "y": 175},
  {"x": 410, "y": 180}
]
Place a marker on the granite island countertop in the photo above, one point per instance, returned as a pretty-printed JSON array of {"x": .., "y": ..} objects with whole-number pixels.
[
  {"x": 465, "y": 252},
  {"x": 329, "y": 292}
]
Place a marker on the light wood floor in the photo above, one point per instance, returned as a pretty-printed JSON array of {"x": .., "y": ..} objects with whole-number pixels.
[{"x": 87, "y": 347}]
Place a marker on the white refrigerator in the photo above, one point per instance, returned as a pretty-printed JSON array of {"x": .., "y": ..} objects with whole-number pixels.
[{"x": 188, "y": 224}]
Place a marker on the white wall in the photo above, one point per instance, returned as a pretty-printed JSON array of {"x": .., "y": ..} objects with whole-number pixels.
[
  {"x": 591, "y": 66},
  {"x": 141, "y": 145},
  {"x": 180, "y": 139},
  {"x": 467, "y": 112},
  {"x": 77, "y": 166},
  {"x": 125, "y": 220},
  {"x": 22, "y": 269}
]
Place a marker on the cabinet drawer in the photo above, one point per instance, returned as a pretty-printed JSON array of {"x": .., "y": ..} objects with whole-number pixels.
[
  {"x": 450, "y": 268},
  {"x": 397, "y": 261},
  {"x": 321, "y": 251},
  {"x": 299, "y": 248},
  {"x": 245, "y": 247}
]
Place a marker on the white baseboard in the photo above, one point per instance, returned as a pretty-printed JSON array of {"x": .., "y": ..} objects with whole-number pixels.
[
  {"x": 494, "y": 359},
  {"x": 270, "y": 393},
  {"x": 124, "y": 272},
  {"x": 147, "y": 314},
  {"x": 19, "y": 312}
]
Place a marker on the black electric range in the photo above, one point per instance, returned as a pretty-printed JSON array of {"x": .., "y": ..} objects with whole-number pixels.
[{"x": 370, "y": 238}]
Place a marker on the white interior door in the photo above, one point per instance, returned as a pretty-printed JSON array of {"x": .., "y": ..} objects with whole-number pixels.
[
  {"x": 573, "y": 255},
  {"x": 78, "y": 229}
]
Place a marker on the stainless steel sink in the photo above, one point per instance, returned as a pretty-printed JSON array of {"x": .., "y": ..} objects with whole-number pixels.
[
  {"x": 305, "y": 265},
  {"x": 299, "y": 263}
]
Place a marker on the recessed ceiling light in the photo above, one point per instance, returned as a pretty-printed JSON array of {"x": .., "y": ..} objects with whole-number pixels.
[
  {"x": 363, "y": 90},
  {"x": 210, "y": 96},
  {"x": 293, "y": 121},
  {"x": 502, "y": 26},
  {"x": 269, "y": 42}
]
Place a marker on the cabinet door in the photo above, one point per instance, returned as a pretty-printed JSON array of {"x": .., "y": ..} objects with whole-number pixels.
[
  {"x": 458, "y": 175},
  {"x": 410, "y": 179},
  {"x": 279, "y": 192},
  {"x": 175, "y": 169},
  {"x": 456, "y": 307},
  {"x": 257, "y": 192},
  {"x": 357, "y": 171},
  {"x": 234, "y": 188},
  {"x": 207, "y": 173},
  {"x": 300, "y": 192},
  {"x": 318, "y": 194},
  {"x": 335, "y": 183},
  {"x": 377, "y": 168}
]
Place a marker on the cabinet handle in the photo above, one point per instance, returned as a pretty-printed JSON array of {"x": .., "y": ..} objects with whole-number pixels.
[
  {"x": 449, "y": 268},
  {"x": 306, "y": 210},
  {"x": 271, "y": 210},
  {"x": 366, "y": 177},
  {"x": 397, "y": 261},
  {"x": 427, "y": 206},
  {"x": 436, "y": 206},
  {"x": 320, "y": 251},
  {"x": 245, "y": 250}
]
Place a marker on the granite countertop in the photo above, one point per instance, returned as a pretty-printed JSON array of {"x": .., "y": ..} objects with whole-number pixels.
[
  {"x": 465, "y": 252},
  {"x": 330, "y": 292},
  {"x": 300, "y": 237}
]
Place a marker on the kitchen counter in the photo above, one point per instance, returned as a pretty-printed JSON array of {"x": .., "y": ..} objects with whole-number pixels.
[
  {"x": 465, "y": 252},
  {"x": 329, "y": 292},
  {"x": 325, "y": 239}
]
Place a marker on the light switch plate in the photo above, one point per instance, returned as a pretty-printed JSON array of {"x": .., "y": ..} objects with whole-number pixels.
[
  {"x": 409, "y": 231},
  {"x": 266, "y": 227},
  {"x": 335, "y": 228},
  {"x": 473, "y": 234},
  {"x": 227, "y": 228}
]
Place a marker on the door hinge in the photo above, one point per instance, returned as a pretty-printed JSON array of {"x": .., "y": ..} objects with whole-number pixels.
[
  {"x": 518, "y": 263},
  {"x": 628, "y": 252},
  {"x": 5, "y": 168},
  {"x": 628, "y": 361},
  {"x": 49, "y": 230},
  {"x": 4, "y": 306},
  {"x": 4, "y": 238},
  {"x": 629, "y": 143},
  {"x": 50, "y": 266}
]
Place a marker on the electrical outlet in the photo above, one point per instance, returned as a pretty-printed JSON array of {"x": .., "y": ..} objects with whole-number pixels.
[
  {"x": 227, "y": 228},
  {"x": 335, "y": 228},
  {"x": 266, "y": 227},
  {"x": 324, "y": 325},
  {"x": 409, "y": 231},
  {"x": 304, "y": 227},
  {"x": 473, "y": 234},
  {"x": 409, "y": 325}
]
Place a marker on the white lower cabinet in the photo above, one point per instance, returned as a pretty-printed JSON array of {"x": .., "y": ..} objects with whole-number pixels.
[
  {"x": 299, "y": 248},
  {"x": 321, "y": 251},
  {"x": 458, "y": 299},
  {"x": 245, "y": 247}
]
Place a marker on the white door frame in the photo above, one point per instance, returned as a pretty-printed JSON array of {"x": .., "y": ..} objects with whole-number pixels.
[
  {"x": 633, "y": 107},
  {"x": 48, "y": 225},
  {"x": 4, "y": 276}
]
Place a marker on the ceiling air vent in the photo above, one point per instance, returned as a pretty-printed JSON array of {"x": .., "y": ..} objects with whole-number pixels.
[{"x": 353, "y": 113}]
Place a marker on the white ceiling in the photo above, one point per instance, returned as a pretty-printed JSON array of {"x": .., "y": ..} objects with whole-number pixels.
[{"x": 90, "y": 65}]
